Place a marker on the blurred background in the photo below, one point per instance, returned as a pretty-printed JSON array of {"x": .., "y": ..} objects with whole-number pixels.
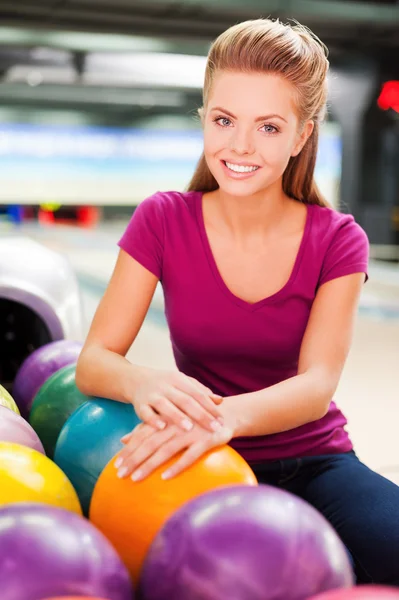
[{"x": 98, "y": 102}]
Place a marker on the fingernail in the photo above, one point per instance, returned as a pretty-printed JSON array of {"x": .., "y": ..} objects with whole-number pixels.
[
  {"x": 187, "y": 425},
  {"x": 221, "y": 420},
  {"x": 137, "y": 475},
  {"x": 166, "y": 475},
  {"x": 122, "y": 472},
  {"x": 161, "y": 424},
  {"x": 216, "y": 425},
  {"x": 118, "y": 462}
]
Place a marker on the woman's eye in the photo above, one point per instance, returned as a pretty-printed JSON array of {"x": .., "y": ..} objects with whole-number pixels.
[
  {"x": 270, "y": 129},
  {"x": 223, "y": 121}
]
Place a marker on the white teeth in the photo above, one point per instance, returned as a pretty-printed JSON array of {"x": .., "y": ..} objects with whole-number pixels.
[{"x": 240, "y": 169}]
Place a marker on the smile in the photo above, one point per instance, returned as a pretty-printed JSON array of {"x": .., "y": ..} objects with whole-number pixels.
[
  {"x": 236, "y": 172},
  {"x": 240, "y": 168}
]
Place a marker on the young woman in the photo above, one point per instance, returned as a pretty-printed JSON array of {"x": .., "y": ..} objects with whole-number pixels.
[{"x": 261, "y": 281}]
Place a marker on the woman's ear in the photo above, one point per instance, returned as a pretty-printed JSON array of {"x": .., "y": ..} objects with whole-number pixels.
[{"x": 303, "y": 137}]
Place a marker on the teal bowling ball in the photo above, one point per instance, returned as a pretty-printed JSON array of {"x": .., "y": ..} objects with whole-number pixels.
[{"x": 89, "y": 439}]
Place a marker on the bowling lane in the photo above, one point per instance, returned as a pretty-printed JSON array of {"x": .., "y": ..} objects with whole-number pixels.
[{"x": 369, "y": 389}]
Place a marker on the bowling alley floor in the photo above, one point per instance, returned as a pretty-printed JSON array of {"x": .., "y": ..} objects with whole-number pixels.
[{"x": 369, "y": 389}]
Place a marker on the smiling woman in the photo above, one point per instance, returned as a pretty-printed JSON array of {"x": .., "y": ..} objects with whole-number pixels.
[{"x": 261, "y": 280}]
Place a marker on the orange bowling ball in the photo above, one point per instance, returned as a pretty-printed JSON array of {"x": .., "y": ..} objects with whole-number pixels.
[{"x": 130, "y": 513}]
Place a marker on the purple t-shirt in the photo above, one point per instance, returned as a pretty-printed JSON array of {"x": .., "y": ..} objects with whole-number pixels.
[{"x": 230, "y": 345}]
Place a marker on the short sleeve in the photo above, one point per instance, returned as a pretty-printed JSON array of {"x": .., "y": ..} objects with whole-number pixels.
[
  {"x": 143, "y": 238},
  {"x": 347, "y": 253}
]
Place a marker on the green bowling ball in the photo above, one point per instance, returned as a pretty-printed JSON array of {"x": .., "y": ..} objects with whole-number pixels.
[
  {"x": 53, "y": 404},
  {"x": 7, "y": 400}
]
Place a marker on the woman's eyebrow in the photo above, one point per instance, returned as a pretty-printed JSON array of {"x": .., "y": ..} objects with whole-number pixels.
[{"x": 263, "y": 118}]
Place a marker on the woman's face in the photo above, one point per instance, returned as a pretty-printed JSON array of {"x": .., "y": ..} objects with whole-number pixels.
[{"x": 251, "y": 130}]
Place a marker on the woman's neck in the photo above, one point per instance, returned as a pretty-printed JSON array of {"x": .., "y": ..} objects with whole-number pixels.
[{"x": 242, "y": 217}]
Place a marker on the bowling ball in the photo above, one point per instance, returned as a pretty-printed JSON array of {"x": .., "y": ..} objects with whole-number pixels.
[
  {"x": 88, "y": 441},
  {"x": 28, "y": 476},
  {"x": 39, "y": 366},
  {"x": 13, "y": 428},
  {"x": 54, "y": 403},
  {"x": 7, "y": 400},
  {"x": 131, "y": 513},
  {"x": 258, "y": 543},
  {"x": 47, "y": 552},
  {"x": 361, "y": 592}
]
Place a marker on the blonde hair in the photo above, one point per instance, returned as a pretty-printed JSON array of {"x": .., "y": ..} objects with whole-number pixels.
[{"x": 293, "y": 52}]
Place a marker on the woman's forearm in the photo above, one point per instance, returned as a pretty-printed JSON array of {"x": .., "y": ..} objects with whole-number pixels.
[
  {"x": 101, "y": 372},
  {"x": 286, "y": 405}
]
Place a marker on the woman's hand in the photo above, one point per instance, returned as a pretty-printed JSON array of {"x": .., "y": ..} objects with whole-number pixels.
[
  {"x": 171, "y": 397},
  {"x": 147, "y": 448}
]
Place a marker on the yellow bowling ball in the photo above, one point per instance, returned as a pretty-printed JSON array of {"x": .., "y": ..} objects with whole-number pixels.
[
  {"x": 7, "y": 400},
  {"x": 28, "y": 476}
]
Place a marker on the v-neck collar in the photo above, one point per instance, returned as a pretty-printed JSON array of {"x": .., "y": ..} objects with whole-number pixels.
[{"x": 249, "y": 306}]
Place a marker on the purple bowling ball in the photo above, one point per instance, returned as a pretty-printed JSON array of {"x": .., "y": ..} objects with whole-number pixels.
[
  {"x": 13, "y": 428},
  {"x": 49, "y": 552},
  {"x": 38, "y": 367},
  {"x": 246, "y": 543}
]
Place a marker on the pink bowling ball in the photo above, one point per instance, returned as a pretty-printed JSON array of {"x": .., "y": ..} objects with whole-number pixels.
[
  {"x": 361, "y": 592},
  {"x": 14, "y": 428}
]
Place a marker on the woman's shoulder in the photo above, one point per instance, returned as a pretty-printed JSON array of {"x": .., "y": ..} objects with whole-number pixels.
[
  {"x": 339, "y": 244},
  {"x": 328, "y": 223},
  {"x": 170, "y": 202}
]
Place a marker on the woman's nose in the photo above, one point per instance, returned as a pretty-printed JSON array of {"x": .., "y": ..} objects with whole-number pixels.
[{"x": 241, "y": 142}]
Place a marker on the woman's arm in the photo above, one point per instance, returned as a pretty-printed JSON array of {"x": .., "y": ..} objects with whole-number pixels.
[
  {"x": 102, "y": 368},
  {"x": 325, "y": 347},
  {"x": 158, "y": 396}
]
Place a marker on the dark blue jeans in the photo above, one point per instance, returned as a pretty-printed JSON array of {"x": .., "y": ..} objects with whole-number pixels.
[{"x": 361, "y": 505}]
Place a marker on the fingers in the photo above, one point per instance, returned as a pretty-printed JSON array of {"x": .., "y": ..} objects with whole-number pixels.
[
  {"x": 196, "y": 450},
  {"x": 181, "y": 400},
  {"x": 167, "y": 451},
  {"x": 166, "y": 406},
  {"x": 137, "y": 433},
  {"x": 149, "y": 416},
  {"x": 206, "y": 390},
  {"x": 132, "y": 441},
  {"x": 149, "y": 448},
  {"x": 190, "y": 387},
  {"x": 193, "y": 409},
  {"x": 140, "y": 448},
  {"x": 180, "y": 408},
  {"x": 192, "y": 454}
]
